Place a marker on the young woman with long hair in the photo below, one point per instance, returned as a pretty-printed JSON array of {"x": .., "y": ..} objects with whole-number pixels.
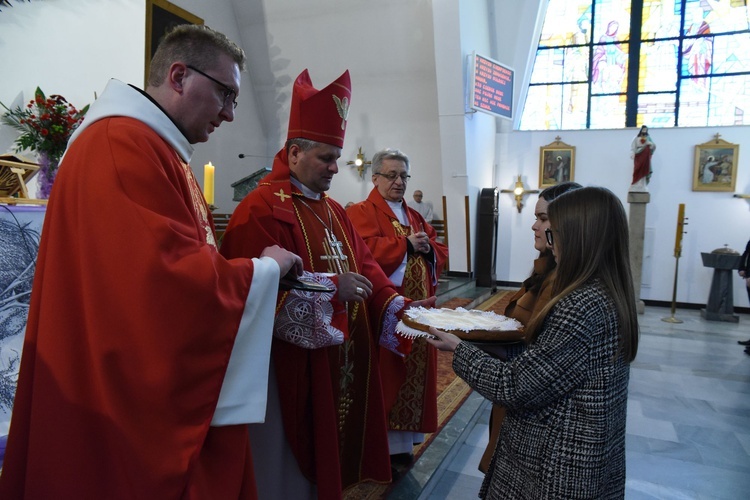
[
  {"x": 566, "y": 393},
  {"x": 533, "y": 295}
]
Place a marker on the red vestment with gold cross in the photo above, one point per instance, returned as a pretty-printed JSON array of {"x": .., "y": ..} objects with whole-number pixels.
[{"x": 331, "y": 397}]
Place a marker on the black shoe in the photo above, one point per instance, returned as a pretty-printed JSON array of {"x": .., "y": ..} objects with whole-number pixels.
[
  {"x": 402, "y": 459},
  {"x": 395, "y": 474},
  {"x": 744, "y": 342}
]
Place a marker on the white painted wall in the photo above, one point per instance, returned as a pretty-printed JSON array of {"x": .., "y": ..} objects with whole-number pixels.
[
  {"x": 603, "y": 159},
  {"x": 387, "y": 46},
  {"x": 67, "y": 48},
  {"x": 450, "y": 62},
  {"x": 95, "y": 40}
]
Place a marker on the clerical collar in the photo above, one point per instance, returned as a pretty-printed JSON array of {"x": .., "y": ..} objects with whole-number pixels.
[
  {"x": 398, "y": 210},
  {"x": 122, "y": 100},
  {"x": 153, "y": 101},
  {"x": 309, "y": 193}
]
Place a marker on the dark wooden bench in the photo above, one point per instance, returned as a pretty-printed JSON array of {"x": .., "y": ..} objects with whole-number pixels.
[{"x": 220, "y": 223}]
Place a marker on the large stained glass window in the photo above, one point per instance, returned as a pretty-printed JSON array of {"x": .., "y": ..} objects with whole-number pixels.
[{"x": 621, "y": 63}]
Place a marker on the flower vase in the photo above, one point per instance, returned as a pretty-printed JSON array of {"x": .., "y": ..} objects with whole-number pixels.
[{"x": 47, "y": 172}]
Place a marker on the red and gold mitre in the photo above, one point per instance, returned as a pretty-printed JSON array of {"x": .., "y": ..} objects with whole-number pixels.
[{"x": 320, "y": 115}]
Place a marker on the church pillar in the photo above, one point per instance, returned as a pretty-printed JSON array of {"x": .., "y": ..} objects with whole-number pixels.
[{"x": 637, "y": 228}]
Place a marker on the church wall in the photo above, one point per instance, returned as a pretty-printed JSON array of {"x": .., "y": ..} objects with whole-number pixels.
[
  {"x": 49, "y": 44},
  {"x": 450, "y": 62},
  {"x": 74, "y": 48},
  {"x": 387, "y": 46},
  {"x": 603, "y": 159}
]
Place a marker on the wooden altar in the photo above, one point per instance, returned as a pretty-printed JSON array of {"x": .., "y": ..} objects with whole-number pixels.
[{"x": 15, "y": 173}]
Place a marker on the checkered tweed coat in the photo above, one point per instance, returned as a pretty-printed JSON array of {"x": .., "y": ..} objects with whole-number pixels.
[{"x": 564, "y": 434}]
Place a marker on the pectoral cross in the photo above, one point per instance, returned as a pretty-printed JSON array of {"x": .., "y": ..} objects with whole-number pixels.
[{"x": 337, "y": 260}]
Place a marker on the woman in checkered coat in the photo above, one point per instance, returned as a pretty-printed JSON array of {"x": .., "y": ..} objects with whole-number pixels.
[{"x": 566, "y": 394}]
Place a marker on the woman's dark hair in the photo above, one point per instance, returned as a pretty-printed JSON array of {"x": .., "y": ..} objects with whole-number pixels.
[
  {"x": 553, "y": 192},
  {"x": 592, "y": 241},
  {"x": 534, "y": 282}
]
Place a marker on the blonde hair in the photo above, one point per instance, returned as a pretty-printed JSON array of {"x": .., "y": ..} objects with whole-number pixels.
[
  {"x": 590, "y": 232},
  {"x": 194, "y": 45}
]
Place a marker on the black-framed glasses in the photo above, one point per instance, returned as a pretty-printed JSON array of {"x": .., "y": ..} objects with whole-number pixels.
[
  {"x": 548, "y": 235},
  {"x": 393, "y": 176},
  {"x": 229, "y": 94}
]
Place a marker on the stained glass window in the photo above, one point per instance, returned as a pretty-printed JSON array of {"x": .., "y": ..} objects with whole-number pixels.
[{"x": 625, "y": 63}]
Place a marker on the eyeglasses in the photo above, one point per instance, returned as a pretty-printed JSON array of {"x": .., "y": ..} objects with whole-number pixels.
[
  {"x": 393, "y": 176},
  {"x": 228, "y": 93},
  {"x": 548, "y": 235}
]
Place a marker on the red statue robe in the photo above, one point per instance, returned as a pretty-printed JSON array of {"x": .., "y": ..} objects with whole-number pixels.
[
  {"x": 133, "y": 318},
  {"x": 331, "y": 399},
  {"x": 642, "y": 147},
  {"x": 410, "y": 383}
]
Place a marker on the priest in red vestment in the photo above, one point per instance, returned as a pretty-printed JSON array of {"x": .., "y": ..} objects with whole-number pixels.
[
  {"x": 146, "y": 352},
  {"x": 326, "y": 429},
  {"x": 406, "y": 247}
]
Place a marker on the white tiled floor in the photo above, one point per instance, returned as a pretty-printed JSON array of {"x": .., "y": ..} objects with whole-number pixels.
[{"x": 688, "y": 434}]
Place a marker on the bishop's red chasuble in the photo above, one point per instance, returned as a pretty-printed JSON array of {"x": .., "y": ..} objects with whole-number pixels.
[
  {"x": 409, "y": 383},
  {"x": 331, "y": 398}
]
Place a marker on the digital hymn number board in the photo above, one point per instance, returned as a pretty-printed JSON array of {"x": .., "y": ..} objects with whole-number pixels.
[{"x": 492, "y": 87}]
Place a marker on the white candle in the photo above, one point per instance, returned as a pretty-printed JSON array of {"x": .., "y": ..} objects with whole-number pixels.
[{"x": 208, "y": 182}]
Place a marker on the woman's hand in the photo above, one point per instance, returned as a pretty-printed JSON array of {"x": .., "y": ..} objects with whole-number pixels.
[
  {"x": 426, "y": 303},
  {"x": 443, "y": 341}
]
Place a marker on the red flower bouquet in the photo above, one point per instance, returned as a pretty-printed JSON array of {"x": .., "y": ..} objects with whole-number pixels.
[{"x": 46, "y": 124}]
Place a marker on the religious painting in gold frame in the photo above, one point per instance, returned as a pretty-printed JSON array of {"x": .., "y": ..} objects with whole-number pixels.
[
  {"x": 161, "y": 16},
  {"x": 556, "y": 163},
  {"x": 715, "y": 166}
]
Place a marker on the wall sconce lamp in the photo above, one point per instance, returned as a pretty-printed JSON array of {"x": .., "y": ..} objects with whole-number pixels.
[
  {"x": 360, "y": 163},
  {"x": 519, "y": 191}
]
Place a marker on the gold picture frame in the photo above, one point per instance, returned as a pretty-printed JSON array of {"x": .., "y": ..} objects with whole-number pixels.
[
  {"x": 715, "y": 166},
  {"x": 556, "y": 163},
  {"x": 161, "y": 16}
]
